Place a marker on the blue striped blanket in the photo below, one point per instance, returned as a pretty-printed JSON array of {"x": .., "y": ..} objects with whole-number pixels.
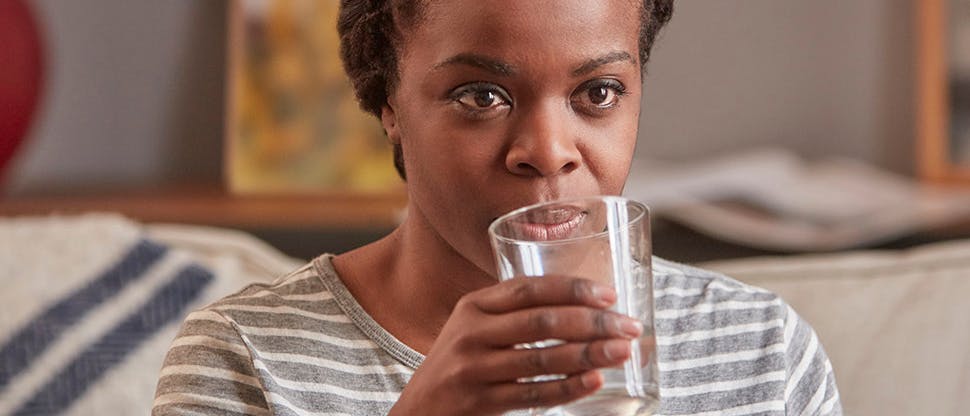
[{"x": 90, "y": 305}]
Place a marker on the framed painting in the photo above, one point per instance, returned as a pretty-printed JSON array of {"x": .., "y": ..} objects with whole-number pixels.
[
  {"x": 943, "y": 90},
  {"x": 293, "y": 125}
]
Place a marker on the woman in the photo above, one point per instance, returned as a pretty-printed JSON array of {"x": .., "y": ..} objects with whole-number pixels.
[{"x": 491, "y": 105}]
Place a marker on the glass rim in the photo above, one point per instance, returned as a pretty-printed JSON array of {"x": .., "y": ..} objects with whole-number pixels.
[{"x": 644, "y": 210}]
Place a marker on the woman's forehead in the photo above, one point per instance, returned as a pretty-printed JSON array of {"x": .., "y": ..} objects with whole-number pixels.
[{"x": 521, "y": 31}]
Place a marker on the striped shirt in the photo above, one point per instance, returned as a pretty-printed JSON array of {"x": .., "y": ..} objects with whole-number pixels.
[{"x": 304, "y": 346}]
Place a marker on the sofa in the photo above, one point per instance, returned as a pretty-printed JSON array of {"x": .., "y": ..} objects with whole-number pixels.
[
  {"x": 91, "y": 302},
  {"x": 895, "y": 324}
]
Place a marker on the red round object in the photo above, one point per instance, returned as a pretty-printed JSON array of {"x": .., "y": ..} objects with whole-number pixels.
[{"x": 21, "y": 75}]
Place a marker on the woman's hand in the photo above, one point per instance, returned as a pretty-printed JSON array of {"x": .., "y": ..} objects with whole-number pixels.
[{"x": 473, "y": 367}]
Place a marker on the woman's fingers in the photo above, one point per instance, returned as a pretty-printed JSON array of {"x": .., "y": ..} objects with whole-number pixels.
[
  {"x": 528, "y": 292},
  {"x": 546, "y": 393},
  {"x": 567, "y": 323},
  {"x": 474, "y": 365},
  {"x": 571, "y": 358}
]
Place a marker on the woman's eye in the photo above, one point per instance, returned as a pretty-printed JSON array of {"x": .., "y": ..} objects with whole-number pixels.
[
  {"x": 481, "y": 99},
  {"x": 599, "y": 94},
  {"x": 481, "y": 96}
]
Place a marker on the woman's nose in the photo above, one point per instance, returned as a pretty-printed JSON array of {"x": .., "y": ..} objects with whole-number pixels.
[{"x": 543, "y": 144}]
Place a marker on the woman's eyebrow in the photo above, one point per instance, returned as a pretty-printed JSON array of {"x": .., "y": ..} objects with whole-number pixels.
[
  {"x": 592, "y": 64},
  {"x": 486, "y": 63}
]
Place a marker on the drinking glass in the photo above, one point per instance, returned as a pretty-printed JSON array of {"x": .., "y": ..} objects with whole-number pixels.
[{"x": 602, "y": 238}]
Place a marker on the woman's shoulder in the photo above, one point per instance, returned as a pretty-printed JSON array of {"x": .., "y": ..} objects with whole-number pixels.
[
  {"x": 697, "y": 309},
  {"x": 298, "y": 289},
  {"x": 685, "y": 281},
  {"x": 288, "y": 340},
  {"x": 302, "y": 298},
  {"x": 720, "y": 342}
]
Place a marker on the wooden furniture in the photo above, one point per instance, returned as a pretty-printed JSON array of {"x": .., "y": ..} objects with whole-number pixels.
[
  {"x": 214, "y": 206},
  {"x": 218, "y": 201},
  {"x": 935, "y": 160}
]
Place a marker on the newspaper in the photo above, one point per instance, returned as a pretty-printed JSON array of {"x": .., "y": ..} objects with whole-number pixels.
[{"x": 771, "y": 199}]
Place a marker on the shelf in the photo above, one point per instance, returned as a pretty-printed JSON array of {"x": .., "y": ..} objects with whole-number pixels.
[{"x": 216, "y": 208}]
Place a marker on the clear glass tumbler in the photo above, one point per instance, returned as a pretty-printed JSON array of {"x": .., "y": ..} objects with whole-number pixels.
[{"x": 602, "y": 238}]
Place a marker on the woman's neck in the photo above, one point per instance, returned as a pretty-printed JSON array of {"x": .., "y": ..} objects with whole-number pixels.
[{"x": 410, "y": 281}]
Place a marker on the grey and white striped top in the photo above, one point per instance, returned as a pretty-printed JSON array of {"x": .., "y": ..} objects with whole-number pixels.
[{"x": 304, "y": 346}]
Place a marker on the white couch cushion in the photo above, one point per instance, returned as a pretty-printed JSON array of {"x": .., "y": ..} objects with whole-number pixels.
[{"x": 896, "y": 325}]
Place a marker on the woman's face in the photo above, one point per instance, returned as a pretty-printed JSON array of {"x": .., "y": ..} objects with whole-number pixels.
[{"x": 505, "y": 103}]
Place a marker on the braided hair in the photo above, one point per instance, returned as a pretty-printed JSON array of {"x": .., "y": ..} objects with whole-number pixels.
[{"x": 371, "y": 34}]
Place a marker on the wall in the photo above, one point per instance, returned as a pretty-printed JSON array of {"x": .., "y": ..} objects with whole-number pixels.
[
  {"x": 135, "y": 88},
  {"x": 133, "y": 95},
  {"x": 822, "y": 77}
]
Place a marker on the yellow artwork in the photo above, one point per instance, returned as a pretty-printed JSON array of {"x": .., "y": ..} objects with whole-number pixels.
[{"x": 293, "y": 123}]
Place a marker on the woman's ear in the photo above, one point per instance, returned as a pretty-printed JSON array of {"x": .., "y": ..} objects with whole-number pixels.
[{"x": 389, "y": 120}]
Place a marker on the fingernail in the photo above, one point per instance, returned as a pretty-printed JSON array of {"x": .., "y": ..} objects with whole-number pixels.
[
  {"x": 631, "y": 327},
  {"x": 591, "y": 379},
  {"x": 616, "y": 349},
  {"x": 604, "y": 294}
]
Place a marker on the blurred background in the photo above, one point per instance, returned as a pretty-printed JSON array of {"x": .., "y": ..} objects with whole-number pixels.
[
  {"x": 132, "y": 100},
  {"x": 819, "y": 149}
]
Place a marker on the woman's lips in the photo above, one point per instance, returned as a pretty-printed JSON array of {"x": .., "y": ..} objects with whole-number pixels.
[{"x": 548, "y": 225}]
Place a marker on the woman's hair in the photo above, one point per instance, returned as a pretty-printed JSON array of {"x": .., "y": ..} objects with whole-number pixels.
[{"x": 371, "y": 33}]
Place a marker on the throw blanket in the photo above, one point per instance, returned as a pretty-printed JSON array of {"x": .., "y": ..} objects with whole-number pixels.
[{"x": 90, "y": 305}]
